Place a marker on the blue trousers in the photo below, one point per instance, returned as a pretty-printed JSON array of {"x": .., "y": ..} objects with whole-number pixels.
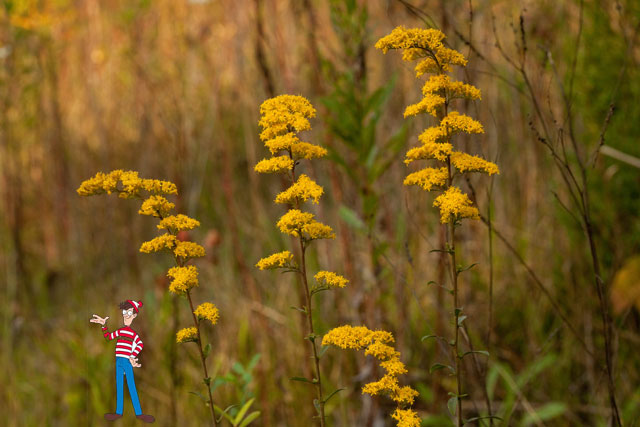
[{"x": 124, "y": 368}]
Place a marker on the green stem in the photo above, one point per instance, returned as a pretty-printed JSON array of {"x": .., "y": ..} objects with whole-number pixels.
[{"x": 317, "y": 380}]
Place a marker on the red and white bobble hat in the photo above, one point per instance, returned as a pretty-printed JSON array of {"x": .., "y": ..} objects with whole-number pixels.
[{"x": 136, "y": 304}]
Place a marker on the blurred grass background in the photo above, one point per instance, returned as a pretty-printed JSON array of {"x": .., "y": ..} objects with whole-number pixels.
[{"x": 172, "y": 89}]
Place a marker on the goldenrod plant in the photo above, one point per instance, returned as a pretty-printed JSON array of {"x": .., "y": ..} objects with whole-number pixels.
[
  {"x": 128, "y": 185},
  {"x": 282, "y": 118},
  {"x": 439, "y": 92},
  {"x": 377, "y": 344}
]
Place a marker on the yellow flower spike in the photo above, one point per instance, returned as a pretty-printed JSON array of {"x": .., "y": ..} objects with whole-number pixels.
[
  {"x": 431, "y": 104},
  {"x": 188, "y": 250},
  {"x": 440, "y": 84},
  {"x": 178, "y": 222},
  {"x": 456, "y": 122},
  {"x": 429, "y": 150},
  {"x": 435, "y": 134},
  {"x": 282, "y": 142},
  {"x": 284, "y": 113},
  {"x": 330, "y": 279},
  {"x": 394, "y": 366},
  {"x": 207, "y": 311},
  {"x": 282, "y": 259},
  {"x": 467, "y": 163},
  {"x": 428, "y": 178},
  {"x": 316, "y": 230},
  {"x": 348, "y": 337},
  {"x": 402, "y": 38},
  {"x": 404, "y": 395},
  {"x": 278, "y": 164},
  {"x": 92, "y": 186},
  {"x": 305, "y": 150},
  {"x": 293, "y": 221},
  {"x": 187, "y": 335},
  {"x": 164, "y": 241},
  {"x": 381, "y": 351},
  {"x": 184, "y": 278},
  {"x": 406, "y": 418},
  {"x": 386, "y": 384},
  {"x": 302, "y": 190},
  {"x": 156, "y": 206},
  {"x": 159, "y": 187},
  {"x": 454, "y": 205},
  {"x": 110, "y": 182}
]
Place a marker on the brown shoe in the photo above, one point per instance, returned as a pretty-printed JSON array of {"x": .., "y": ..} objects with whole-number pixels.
[
  {"x": 146, "y": 418},
  {"x": 112, "y": 417}
]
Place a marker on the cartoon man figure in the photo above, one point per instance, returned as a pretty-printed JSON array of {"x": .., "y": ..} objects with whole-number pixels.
[{"x": 128, "y": 346}]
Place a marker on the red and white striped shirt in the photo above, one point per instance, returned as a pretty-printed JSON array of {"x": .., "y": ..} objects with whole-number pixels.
[{"x": 128, "y": 343}]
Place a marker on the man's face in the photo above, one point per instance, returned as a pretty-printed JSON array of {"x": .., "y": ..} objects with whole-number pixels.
[{"x": 128, "y": 315}]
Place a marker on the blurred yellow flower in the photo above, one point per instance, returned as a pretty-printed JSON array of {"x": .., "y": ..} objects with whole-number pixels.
[
  {"x": 302, "y": 190},
  {"x": 207, "y": 311},
  {"x": 178, "y": 222},
  {"x": 184, "y": 278},
  {"x": 282, "y": 259},
  {"x": 164, "y": 241},
  {"x": 188, "y": 250},
  {"x": 455, "y": 205},
  {"x": 330, "y": 279},
  {"x": 187, "y": 335}
]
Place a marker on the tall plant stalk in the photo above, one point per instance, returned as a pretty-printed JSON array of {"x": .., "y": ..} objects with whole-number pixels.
[
  {"x": 185, "y": 277},
  {"x": 281, "y": 118},
  {"x": 439, "y": 91}
]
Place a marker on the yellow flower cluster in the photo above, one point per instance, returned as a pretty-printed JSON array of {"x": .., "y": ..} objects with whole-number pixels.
[
  {"x": 467, "y": 163},
  {"x": 157, "y": 206},
  {"x": 330, "y": 279},
  {"x": 278, "y": 164},
  {"x": 282, "y": 259},
  {"x": 376, "y": 344},
  {"x": 456, "y": 122},
  {"x": 406, "y": 418},
  {"x": 207, "y": 311},
  {"x": 302, "y": 190},
  {"x": 428, "y": 178},
  {"x": 178, "y": 222},
  {"x": 455, "y": 205},
  {"x": 188, "y": 250},
  {"x": 297, "y": 223},
  {"x": 187, "y": 335},
  {"x": 184, "y": 278},
  {"x": 283, "y": 114},
  {"x": 418, "y": 43},
  {"x": 438, "y": 92},
  {"x": 130, "y": 186},
  {"x": 164, "y": 241}
]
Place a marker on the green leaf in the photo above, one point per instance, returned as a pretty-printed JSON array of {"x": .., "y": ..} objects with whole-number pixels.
[
  {"x": 302, "y": 379},
  {"x": 460, "y": 269},
  {"x": 351, "y": 218},
  {"x": 195, "y": 393},
  {"x": 241, "y": 413},
  {"x": 483, "y": 352},
  {"x": 332, "y": 393},
  {"x": 206, "y": 350},
  {"x": 452, "y": 404},
  {"x": 252, "y": 416},
  {"x": 546, "y": 412},
  {"x": 300, "y": 309},
  {"x": 207, "y": 381},
  {"x": 461, "y": 319},
  {"x": 224, "y": 413},
  {"x": 426, "y": 337},
  {"x": 322, "y": 351},
  {"x": 316, "y": 403},
  {"x": 438, "y": 366}
]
